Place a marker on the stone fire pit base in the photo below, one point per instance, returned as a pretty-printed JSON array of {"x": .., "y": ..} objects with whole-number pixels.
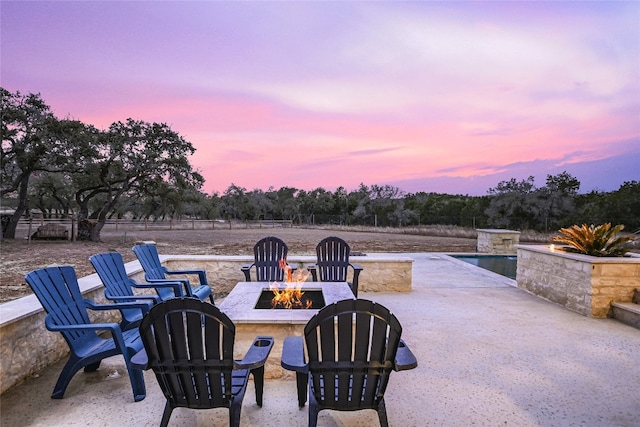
[{"x": 250, "y": 322}]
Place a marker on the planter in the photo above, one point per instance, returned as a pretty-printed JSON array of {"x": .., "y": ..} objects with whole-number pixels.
[{"x": 584, "y": 284}]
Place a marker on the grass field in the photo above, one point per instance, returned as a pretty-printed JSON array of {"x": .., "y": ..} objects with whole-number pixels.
[{"x": 19, "y": 256}]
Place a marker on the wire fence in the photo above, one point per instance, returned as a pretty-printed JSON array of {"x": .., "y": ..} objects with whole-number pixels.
[{"x": 67, "y": 227}]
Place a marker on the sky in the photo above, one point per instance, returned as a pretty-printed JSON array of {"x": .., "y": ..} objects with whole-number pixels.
[{"x": 449, "y": 97}]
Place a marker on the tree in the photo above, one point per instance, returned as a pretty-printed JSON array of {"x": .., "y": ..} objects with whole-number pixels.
[
  {"x": 623, "y": 205},
  {"x": 286, "y": 204},
  {"x": 234, "y": 202},
  {"x": 30, "y": 144},
  {"x": 557, "y": 200},
  {"x": 133, "y": 158},
  {"x": 52, "y": 192},
  {"x": 513, "y": 204},
  {"x": 361, "y": 199}
]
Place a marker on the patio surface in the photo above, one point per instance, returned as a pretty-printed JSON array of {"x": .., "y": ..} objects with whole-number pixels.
[{"x": 489, "y": 354}]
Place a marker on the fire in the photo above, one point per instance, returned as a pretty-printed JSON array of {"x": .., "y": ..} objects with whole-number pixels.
[{"x": 291, "y": 295}]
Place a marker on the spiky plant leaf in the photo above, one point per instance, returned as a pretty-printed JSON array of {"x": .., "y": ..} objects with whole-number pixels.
[{"x": 601, "y": 240}]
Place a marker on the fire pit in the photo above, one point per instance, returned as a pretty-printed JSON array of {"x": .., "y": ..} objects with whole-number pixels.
[
  {"x": 241, "y": 307},
  {"x": 309, "y": 299},
  {"x": 241, "y": 303}
]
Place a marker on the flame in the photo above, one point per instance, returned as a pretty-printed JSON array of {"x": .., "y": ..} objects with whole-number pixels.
[{"x": 291, "y": 295}]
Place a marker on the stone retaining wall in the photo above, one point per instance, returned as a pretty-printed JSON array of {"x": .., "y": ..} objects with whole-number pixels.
[
  {"x": 26, "y": 347},
  {"x": 388, "y": 273},
  {"x": 584, "y": 284}
]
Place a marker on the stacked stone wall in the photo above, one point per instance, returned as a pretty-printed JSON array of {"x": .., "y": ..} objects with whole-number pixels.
[
  {"x": 586, "y": 285},
  {"x": 378, "y": 274},
  {"x": 613, "y": 282},
  {"x": 497, "y": 241}
]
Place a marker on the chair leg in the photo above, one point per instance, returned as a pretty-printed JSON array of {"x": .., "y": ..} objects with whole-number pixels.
[
  {"x": 137, "y": 383},
  {"x": 166, "y": 414},
  {"x": 382, "y": 414},
  {"x": 313, "y": 411},
  {"x": 72, "y": 366},
  {"x": 354, "y": 289},
  {"x": 302, "y": 381},
  {"x": 258, "y": 381},
  {"x": 234, "y": 412}
]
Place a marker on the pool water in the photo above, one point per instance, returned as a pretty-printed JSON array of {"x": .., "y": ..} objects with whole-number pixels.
[{"x": 501, "y": 264}]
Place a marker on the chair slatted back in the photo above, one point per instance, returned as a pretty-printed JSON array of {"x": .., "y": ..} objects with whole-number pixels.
[
  {"x": 113, "y": 275},
  {"x": 189, "y": 344},
  {"x": 267, "y": 254},
  {"x": 57, "y": 290},
  {"x": 351, "y": 349},
  {"x": 110, "y": 269},
  {"x": 150, "y": 261},
  {"x": 333, "y": 259},
  {"x": 153, "y": 268}
]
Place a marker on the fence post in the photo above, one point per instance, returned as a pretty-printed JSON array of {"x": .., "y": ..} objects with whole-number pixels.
[
  {"x": 29, "y": 232},
  {"x": 193, "y": 224}
]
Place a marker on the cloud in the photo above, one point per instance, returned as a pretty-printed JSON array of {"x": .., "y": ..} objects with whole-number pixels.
[{"x": 312, "y": 94}]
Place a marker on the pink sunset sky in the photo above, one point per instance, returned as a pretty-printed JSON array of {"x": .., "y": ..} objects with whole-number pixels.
[{"x": 449, "y": 97}]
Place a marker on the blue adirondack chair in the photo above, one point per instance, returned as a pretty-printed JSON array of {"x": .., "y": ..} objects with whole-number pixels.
[
  {"x": 189, "y": 346},
  {"x": 333, "y": 263},
  {"x": 267, "y": 254},
  {"x": 58, "y": 291},
  {"x": 155, "y": 272},
  {"x": 119, "y": 286},
  {"x": 352, "y": 346}
]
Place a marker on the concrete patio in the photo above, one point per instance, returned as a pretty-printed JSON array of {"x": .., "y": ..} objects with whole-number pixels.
[{"x": 489, "y": 354}]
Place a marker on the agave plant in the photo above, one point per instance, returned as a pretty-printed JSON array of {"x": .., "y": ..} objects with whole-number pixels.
[{"x": 601, "y": 240}]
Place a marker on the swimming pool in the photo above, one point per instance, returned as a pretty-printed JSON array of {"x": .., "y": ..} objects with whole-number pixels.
[{"x": 501, "y": 264}]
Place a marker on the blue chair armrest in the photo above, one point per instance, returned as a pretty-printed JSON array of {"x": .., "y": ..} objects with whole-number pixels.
[
  {"x": 293, "y": 355},
  {"x": 112, "y": 327},
  {"x": 356, "y": 267},
  {"x": 140, "y": 360},
  {"x": 405, "y": 359},
  {"x": 202, "y": 275},
  {"x": 144, "y": 306},
  {"x": 176, "y": 285},
  {"x": 129, "y": 298},
  {"x": 257, "y": 354},
  {"x": 246, "y": 269},
  {"x": 183, "y": 282}
]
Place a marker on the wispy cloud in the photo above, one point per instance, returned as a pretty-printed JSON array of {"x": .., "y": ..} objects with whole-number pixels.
[{"x": 328, "y": 94}]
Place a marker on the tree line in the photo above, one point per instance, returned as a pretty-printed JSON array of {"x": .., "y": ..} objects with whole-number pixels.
[{"x": 140, "y": 170}]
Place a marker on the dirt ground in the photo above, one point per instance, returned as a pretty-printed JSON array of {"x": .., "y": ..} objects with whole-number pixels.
[{"x": 19, "y": 256}]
